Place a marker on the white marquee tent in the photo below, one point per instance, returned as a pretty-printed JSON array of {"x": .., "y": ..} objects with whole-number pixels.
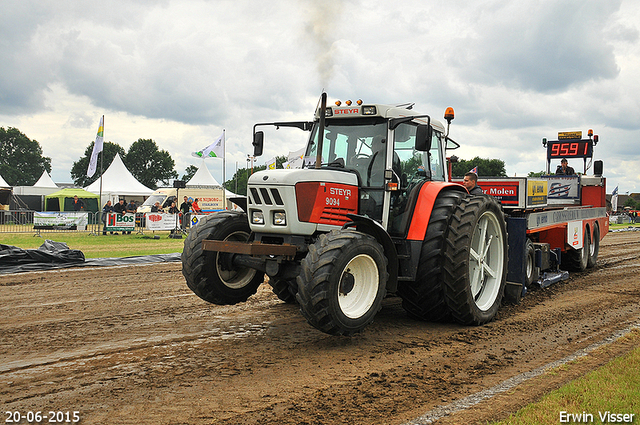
[
  {"x": 45, "y": 181},
  {"x": 33, "y": 196},
  {"x": 3, "y": 183},
  {"x": 118, "y": 182},
  {"x": 203, "y": 177}
]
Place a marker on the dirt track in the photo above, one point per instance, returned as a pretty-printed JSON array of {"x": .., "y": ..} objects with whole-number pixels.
[{"x": 134, "y": 345}]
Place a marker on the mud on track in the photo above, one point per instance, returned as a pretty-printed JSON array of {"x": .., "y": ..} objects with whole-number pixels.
[{"x": 134, "y": 345}]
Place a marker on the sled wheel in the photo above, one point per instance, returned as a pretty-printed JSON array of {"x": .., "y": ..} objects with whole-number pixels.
[
  {"x": 577, "y": 259},
  {"x": 594, "y": 247},
  {"x": 475, "y": 260},
  {"x": 532, "y": 272},
  {"x": 207, "y": 273},
  {"x": 342, "y": 282}
]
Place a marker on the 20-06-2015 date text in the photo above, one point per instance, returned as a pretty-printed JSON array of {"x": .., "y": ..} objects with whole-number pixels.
[{"x": 47, "y": 417}]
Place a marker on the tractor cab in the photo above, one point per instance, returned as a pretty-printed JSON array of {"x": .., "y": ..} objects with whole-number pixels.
[{"x": 388, "y": 151}]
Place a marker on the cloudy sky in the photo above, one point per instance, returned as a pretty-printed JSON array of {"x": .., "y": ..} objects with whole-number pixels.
[{"x": 181, "y": 71}]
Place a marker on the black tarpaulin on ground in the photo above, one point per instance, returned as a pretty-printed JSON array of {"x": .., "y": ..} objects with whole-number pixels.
[
  {"x": 55, "y": 255},
  {"x": 49, "y": 252}
]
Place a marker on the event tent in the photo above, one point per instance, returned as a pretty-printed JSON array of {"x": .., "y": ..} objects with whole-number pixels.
[
  {"x": 45, "y": 181},
  {"x": 118, "y": 182},
  {"x": 203, "y": 177},
  {"x": 5, "y": 194},
  {"x": 62, "y": 200},
  {"x": 33, "y": 197}
]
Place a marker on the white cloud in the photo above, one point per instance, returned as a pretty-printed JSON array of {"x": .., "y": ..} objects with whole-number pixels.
[{"x": 181, "y": 71}]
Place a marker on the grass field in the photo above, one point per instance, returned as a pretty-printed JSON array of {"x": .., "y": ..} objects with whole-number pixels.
[
  {"x": 101, "y": 246},
  {"x": 612, "y": 389},
  {"x": 622, "y": 226}
]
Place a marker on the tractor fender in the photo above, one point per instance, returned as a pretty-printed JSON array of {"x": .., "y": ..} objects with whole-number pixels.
[
  {"x": 371, "y": 227},
  {"x": 424, "y": 205}
]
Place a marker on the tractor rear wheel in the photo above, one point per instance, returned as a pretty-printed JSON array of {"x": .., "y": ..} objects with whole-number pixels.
[
  {"x": 475, "y": 260},
  {"x": 209, "y": 274},
  {"x": 424, "y": 299},
  {"x": 342, "y": 282}
]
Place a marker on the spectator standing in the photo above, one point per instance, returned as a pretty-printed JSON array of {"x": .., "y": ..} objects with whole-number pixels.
[
  {"x": 108, "y": 208},
  {"x": 173, "y": 209},
  {"x": 78, "y": 204},
  {"x": 157, "y": 208},
  {"x": 132, "y": 208},
  {"x": 120, "y": 208},
  {"x": 195, "y": 207},
  {"x": 184, "y": 209}
]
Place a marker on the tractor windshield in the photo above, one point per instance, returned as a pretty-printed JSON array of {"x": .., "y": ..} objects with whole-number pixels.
[{"x": 352, "y": 142}]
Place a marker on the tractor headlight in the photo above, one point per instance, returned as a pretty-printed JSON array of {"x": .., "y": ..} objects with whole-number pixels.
[
  {"x": 279, "y": 219},
  {"x": 257, "y": 217}
]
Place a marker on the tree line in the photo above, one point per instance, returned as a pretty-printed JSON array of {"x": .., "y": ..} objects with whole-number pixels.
[{"x": 22, "y": 163}]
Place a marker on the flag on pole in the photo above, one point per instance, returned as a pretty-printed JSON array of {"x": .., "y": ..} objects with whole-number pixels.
[
  {"x": 214, "y": 150},
  {"x": 97, "y": 148},
  {"x": 614, "y": 200},
  {"x": 474, "y": 170},
  {"x": 295, "y": 159},
  {"x": 271, "y": 164}
]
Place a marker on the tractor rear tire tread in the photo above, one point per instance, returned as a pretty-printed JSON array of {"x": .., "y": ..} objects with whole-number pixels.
[{"x": 423, "y": 299}]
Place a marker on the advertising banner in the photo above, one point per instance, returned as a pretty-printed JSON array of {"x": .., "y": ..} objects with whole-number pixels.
[
  {"x": 162, "y": 221},
  {"x": 565, "y": 188},
  {"x": 536, "y": 193},
  {"x": 508, "y": 192},
  {"x": 120, "y": 222},
  {"x": 60, "y": 220},
  {"x": 574, "y": 234},
  {"x": 195, "y": 218}
]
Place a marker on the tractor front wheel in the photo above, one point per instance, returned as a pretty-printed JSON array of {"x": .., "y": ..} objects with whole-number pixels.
[{"x": 342, "y": 282}]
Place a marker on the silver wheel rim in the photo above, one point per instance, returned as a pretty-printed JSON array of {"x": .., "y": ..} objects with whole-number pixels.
[
  {"x": 358, "y": 286},
  {"x": 236, "y": 278},
  {"x": 486, "y": 261}
]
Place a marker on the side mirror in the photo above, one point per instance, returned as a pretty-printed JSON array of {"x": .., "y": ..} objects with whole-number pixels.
[
  {"x": 597, "y": 168},
  {"x": 258, "y": 143},
  {"x": 423, "y": 138}
]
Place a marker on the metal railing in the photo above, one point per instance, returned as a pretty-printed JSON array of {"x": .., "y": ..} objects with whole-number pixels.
[{"x": 22, "y": 221}]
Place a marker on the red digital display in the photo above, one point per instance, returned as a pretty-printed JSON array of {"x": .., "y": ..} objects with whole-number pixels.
[{"x": 570, "y": 149}]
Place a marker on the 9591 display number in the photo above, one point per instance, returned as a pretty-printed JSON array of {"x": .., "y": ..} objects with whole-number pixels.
[{"x": 49, "y": 417}]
